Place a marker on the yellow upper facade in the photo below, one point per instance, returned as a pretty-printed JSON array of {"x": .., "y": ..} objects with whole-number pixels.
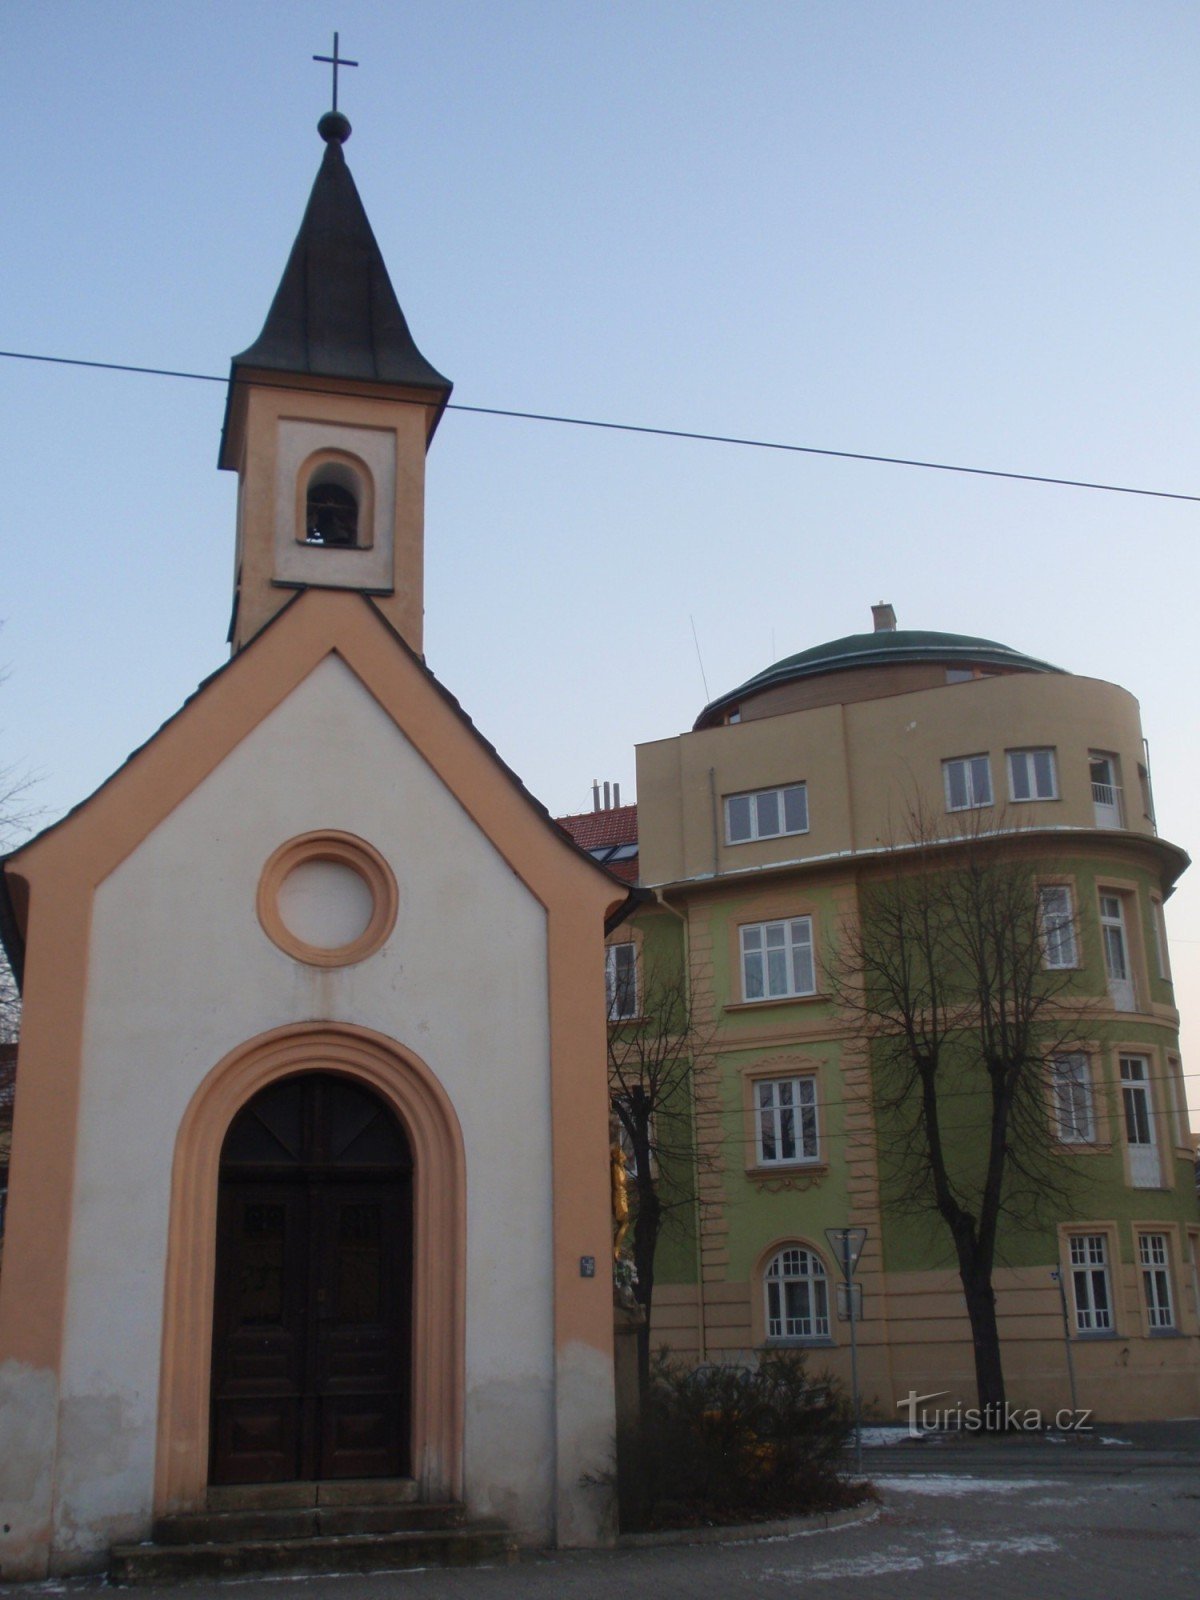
[{"x": 867, "y": 765}]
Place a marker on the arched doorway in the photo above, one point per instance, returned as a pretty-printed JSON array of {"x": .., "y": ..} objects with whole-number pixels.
[{"x": 312, "y": 1313}]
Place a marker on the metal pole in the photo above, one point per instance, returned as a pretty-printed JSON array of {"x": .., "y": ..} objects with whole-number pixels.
[
  {"x": 1056, "y": 1274},
  {"x": 853, "y": 1353}
]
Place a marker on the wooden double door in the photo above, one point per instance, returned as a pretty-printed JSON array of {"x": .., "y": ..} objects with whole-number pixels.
[{"x": 313, "y": 1306}]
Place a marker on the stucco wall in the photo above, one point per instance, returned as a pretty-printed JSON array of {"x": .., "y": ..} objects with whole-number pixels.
[{"x": 182, "y": 973}]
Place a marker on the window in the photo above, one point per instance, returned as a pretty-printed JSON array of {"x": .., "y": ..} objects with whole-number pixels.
[
  {"x": 1089, "y": 1281},
  {"x": 1160, "y": 940},
  {"x": 766, "y": 814},
  {"x": 786, "y": 1111},
  {"x": 1071, "y": 1089},
  {"x": 1144, "y": 1170},
  {"x": 777, "y": 959},
  {"x": 624, "y": 1139},
  {"x": 1106, "y": 790},
  {"x": 968, "y": 781},
  {"x": 1116, "y": 953},
  {"x": 1031, "y": 775},
  {"x": 620, "y": 980},
  {"x": 1156, "y": 1280},
  {"x": 1056, "y": 919},
  {"x": 797, "y": 1296}
]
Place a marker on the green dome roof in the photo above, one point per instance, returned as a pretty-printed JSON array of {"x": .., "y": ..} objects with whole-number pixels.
[{"x": 887, "y": 647}]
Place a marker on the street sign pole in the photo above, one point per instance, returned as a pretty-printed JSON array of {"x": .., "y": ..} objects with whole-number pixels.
[
  {"x": 1062, "y": 1295},
  {"x": 847, "y": 1244}
]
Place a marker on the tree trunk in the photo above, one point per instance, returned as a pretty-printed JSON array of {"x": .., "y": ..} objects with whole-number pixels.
[
  {"x": 646, "y": 1228},
  {"x": 985, "y": 1336}
]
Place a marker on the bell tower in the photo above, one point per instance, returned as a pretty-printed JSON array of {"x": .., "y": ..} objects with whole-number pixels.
[{"x": 328, "y": 417}]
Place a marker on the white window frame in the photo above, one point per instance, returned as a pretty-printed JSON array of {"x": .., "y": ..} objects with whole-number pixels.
[
  {"x": 1025, "y": 762},
  {"x": 796, "y": 1297},
  {"x": 784, "y": 954},
  {"x": 1118, "y": 959},
  {"x": 1073, "y": 1098},
  {"x": 1154, "y": 1266},
  {"x": 1141, "y": 1132},
  {"x": 975, "y": 775},
  {"x": 620, "y": 986},
  {"x": 1060, "y": 948},
  {"x": 786, "y": 1130},
  {"x": 1088, "y": 1254},
  {"x": 758, "y": 803}
]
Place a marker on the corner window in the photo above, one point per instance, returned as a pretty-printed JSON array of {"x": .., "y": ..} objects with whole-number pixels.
[
  {"x": 968, "y": 782},
  {"x": 777, "y": 959},
  {"x": 620, "y": 981},
  {"x": 1145, "y": 1171},
  {"x": 766, "y": 814},
  {"x": 1032, "y": 775},
  {"x": 1106, "y": 790},
  {"x": 786, "y": 1116},
  {"x": 1117, "y": 970},
  {"x": 1159, "y": 923},
  {"x": 1090, "y": 1283},
  {"x": 1056, "y": 922},
  {"x": 797, "y": 1293},
  {"x": 1154, "y": 1265},
  {"x": 1071, "y": 1091}
]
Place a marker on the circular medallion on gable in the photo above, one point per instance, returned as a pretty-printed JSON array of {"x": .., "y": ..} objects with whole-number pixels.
[{"x": 328, "y": 899}]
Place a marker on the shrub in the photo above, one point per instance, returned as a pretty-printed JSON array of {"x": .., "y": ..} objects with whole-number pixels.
[{"x": 724, "y": 1444}]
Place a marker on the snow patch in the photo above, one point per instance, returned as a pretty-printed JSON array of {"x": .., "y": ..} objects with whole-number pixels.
[
  {"x": 937, "y": 1483},
  {"x": 953, "y": 1551}
]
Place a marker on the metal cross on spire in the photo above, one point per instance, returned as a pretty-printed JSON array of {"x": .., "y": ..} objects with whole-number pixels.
[{"x": 336, "y": 61}]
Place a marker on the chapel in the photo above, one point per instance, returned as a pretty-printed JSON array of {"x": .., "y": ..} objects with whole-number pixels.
[{"x": 309, "y": 1183}]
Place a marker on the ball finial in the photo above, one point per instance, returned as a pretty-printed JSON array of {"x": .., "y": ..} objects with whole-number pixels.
[{"x": 333, "y": 125}]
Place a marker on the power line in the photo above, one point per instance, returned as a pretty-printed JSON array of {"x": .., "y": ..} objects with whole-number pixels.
[{"x": 743, "y": 441}]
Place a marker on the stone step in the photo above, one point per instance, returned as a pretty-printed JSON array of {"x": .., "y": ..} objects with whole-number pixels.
[
  {"x": 362, "y": 1552},
  {"x": 302, "y": 1522},
  {"x": 325, "y": 1492}
]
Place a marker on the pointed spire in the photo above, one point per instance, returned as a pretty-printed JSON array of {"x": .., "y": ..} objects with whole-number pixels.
[{"x": 335, "y": 313}]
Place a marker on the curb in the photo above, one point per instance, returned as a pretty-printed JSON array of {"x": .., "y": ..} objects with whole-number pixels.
[{"x": 743, "y": 1532}]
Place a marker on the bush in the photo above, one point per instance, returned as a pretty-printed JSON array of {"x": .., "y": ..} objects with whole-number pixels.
[{"x": 725, "y": 1444}]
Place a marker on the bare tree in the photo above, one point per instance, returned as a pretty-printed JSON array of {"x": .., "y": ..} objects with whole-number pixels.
[
  {"x": 651, "y": 1064},
  {"x": 946, "y": 973}
]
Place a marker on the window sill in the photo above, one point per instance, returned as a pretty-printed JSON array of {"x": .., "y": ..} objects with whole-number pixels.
[
  {"x": 1164, "y": 1333},
  {"x": 775, "y": 1000},
  {"x": 1099, "y": 1334},
  {"x": 819, "y": 1342},
  {"x": 783, "y": 1175},
  {"x": 767, "y": 838}
]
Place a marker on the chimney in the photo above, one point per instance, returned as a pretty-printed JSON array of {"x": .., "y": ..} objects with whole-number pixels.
[
  {"x": 595, "y": 795},
  {"x": 616, "y": 796},
  {"x": 884, "y": 618},
  {"x": 607, "y": 796}
]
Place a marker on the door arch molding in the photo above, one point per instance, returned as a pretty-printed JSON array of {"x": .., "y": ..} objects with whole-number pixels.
[{"x": 410, "y": 1088}]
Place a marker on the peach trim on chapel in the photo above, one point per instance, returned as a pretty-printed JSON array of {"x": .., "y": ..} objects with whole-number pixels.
[{"x": 439, "y": 1248}]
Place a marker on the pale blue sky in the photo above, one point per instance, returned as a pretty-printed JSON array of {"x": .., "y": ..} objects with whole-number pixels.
[{"x": 957, "y": 231}]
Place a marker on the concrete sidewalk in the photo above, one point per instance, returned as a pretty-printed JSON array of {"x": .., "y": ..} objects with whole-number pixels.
[{"x": 1117, "y": 1536}]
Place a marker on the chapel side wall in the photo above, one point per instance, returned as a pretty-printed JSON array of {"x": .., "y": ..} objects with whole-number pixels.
[{"x": 182, "y": 974}]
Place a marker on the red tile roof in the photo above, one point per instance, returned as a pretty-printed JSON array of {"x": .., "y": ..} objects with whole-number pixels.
[
  {"x": 593, "y": 829},
  {"x": 600, "y": 830}
]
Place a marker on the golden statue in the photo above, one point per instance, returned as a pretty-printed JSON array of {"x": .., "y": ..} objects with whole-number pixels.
[{"x": 620, "y": 1187}]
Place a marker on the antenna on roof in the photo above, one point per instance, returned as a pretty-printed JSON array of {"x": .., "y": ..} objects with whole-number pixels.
[{"x": 700, "y": 659}]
